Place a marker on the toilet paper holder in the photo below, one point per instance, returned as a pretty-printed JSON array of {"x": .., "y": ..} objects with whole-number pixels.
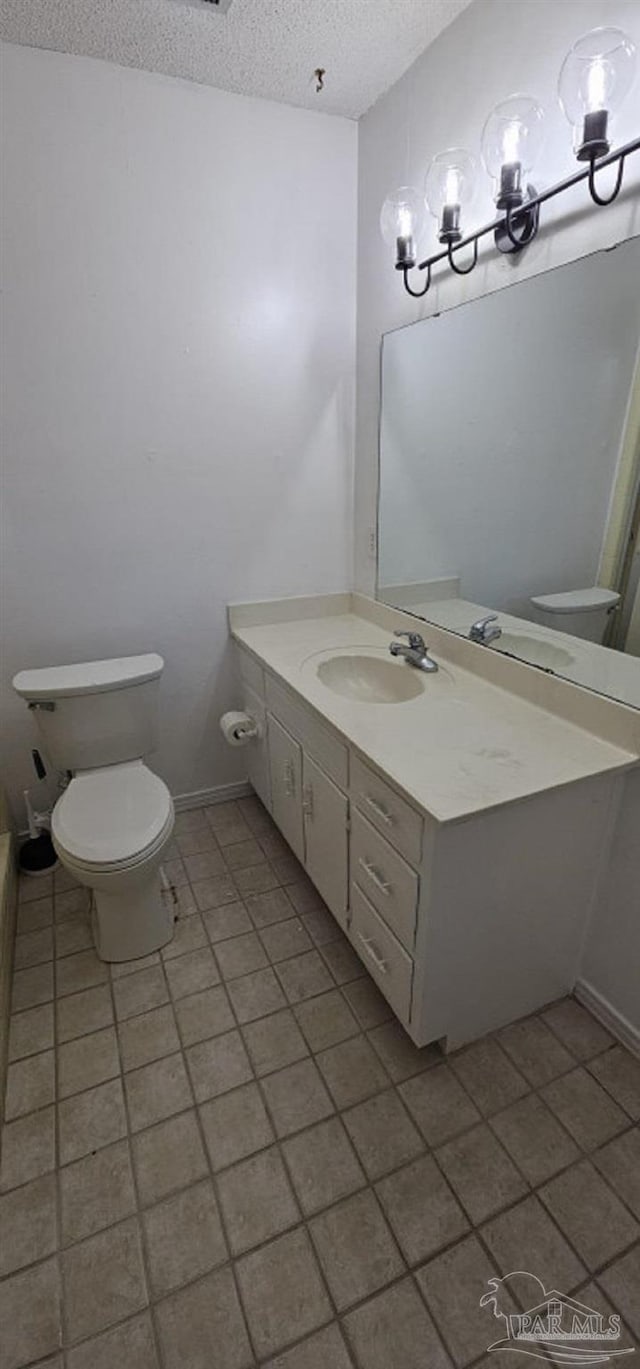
[{"x": 239, "y": 728}]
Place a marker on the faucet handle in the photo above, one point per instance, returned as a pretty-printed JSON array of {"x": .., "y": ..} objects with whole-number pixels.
[
  {"x": 481, "y": 632},
  {"x": 415, "y": 639}
]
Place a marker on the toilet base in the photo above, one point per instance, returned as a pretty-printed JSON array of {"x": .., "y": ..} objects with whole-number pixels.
[{"x": 132, "y": 922}]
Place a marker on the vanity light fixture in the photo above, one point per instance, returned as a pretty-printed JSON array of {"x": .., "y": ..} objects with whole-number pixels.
[
  {"x": 402, "y": 223},
  {"x": 511, "y": 141},
  {"x": 595, "y": 78},
  {"x": 450, "y": 183}
]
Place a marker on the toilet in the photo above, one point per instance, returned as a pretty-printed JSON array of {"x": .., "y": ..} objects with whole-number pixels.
[
  {"x": 114, "y": 820},
  {"x": 580, "y": 612}
]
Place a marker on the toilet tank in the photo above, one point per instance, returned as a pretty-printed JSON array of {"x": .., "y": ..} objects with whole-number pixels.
[
  {"x": 95, "y": 713},
  {"x": 580, "y": 612}
]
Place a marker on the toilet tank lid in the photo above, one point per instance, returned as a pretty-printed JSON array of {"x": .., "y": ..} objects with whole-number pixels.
[
  {"x": 577, "y": 600},
  {"x": 87, "y": 677}
]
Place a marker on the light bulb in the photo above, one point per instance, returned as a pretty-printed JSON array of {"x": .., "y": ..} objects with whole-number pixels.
[
  {"x": 511, "y": 141},
  {"x": 595, "y": 77},
  {"x": 402, "y": 221},
  {"x": 452, "y": 186},
  {"x": 405, "y": 222},
  {"x": 449, "y": 184},
  {"x": 596, "y": 87}
]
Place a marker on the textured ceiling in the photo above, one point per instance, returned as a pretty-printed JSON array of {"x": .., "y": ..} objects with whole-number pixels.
[{"x": 261, "y": 47}]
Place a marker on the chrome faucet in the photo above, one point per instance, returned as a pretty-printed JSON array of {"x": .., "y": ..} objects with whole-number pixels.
[
  {"x": 481, "y": 632},
  {"x": 416, "y": 653}
]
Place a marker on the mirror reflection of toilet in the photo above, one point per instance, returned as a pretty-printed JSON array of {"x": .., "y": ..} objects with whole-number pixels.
[
  {"x": 580, "y": 612},
  {"x": 115, "y": 819}
]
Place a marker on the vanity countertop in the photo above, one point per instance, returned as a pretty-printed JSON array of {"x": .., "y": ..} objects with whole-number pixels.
[{"x": 462, "y": 746}]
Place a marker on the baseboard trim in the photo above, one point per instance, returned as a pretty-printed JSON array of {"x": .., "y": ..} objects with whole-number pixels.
[
  {"x": 221, "y": 793},
  {"x": 614, "y": 1021}
]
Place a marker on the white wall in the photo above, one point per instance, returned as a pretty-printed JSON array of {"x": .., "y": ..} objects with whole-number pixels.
[
  {"x": 492, "y": 49},
  {"x": 179, "y": 318},
  {"x": 612, "y": 957}
]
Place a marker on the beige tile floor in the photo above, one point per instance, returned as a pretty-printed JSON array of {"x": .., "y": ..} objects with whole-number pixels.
[{"x": 231, "y": 1154}]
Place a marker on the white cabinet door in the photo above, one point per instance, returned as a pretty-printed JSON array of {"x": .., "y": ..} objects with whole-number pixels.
[
  {"x": 285, "y": 761},
  {"x": 257, "y": 751},
  {"x": 326, "y": 813}
]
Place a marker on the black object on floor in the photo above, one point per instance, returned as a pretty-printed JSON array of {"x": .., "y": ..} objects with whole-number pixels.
[{"x": 37, "y": 856}]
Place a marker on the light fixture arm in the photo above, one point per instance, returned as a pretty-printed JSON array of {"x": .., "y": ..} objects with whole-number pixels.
[
  {"x": 463, "y": 270},
  {"x": 595, "y": 196},
  {"x": 524, "y": 217},
  {"x": 417, "y": 294}
]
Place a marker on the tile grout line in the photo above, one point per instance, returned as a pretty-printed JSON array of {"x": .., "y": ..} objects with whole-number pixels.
[
  {"x": 57, "y": 1150},
  {"x": 134, "y": 1175},
  {"x": 213, "y": 1180}
]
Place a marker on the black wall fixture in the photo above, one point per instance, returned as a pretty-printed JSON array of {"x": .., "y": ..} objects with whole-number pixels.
[{"x": 596, "y": 76}]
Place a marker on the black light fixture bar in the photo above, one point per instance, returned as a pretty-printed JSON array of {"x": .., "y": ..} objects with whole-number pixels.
[{"x": 505, "y": 228}]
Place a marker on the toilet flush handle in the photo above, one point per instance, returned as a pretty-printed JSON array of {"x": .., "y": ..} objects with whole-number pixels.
[{"x": 47, "y": 705}]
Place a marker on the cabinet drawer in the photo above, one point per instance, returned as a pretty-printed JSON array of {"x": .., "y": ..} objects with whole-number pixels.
[
  {"x": 387, "y": 962},
  {"x": 401, "y": 824},
  {"x": 250, "y": 671},
  {"x": 389, "y": 883},
  {"x": 316, "y": 739}
]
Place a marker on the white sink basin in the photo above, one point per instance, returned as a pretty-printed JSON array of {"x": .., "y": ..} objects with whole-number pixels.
[
  {"x": 536, "y": 650},
  {"x": 371, "y": 679}
]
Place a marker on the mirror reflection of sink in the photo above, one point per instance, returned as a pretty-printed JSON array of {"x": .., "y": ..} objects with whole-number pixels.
[
  {"x": 371, "y": 679},
  {"x": 535, "y": 650}
]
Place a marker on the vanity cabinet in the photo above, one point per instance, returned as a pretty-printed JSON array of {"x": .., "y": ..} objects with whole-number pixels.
[
  {"x": 349, "y": 829},
  {"x": 285, "y": 763},
  {"x": 258, "y": 753},
  {"x": 326, "y": 833},
  {"x": 312, "y": 814},
  {"x": 464, "y": 925}
]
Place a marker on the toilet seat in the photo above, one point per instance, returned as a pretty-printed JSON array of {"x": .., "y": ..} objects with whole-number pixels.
[{"x": 113, "y": 818}]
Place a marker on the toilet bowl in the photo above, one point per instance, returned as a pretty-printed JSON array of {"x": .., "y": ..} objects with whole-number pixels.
[
  {"x": 115, "y": 818},
  {"x": 110, "y": 830}
]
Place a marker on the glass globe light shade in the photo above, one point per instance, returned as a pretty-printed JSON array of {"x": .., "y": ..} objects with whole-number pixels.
[
  {"x": 402, "y": 223},
  {"x": 511, "y": 141},
  {"x": 450, "y": 183},
  {"x": 595, "y": 78}
]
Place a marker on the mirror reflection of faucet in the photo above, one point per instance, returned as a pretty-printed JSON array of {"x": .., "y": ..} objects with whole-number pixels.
[
  {"x": 416, "y": 653},
  {"x": 483, "y": 631}
]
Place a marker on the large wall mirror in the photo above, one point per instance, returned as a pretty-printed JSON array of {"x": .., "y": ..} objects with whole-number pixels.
[{"x": 510, "y": 471}]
